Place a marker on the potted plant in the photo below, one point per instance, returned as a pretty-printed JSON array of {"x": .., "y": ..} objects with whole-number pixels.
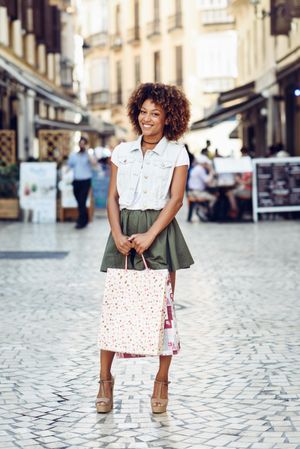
[{"x": 9, "y": 183}]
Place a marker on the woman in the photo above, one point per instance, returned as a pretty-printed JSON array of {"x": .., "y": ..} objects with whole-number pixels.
[{"x": 148, "y": 178}]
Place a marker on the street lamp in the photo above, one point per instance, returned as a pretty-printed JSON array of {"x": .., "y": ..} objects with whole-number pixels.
[
  {"x": 263, "y": 12},
  {"x": 281, "y": 14}
]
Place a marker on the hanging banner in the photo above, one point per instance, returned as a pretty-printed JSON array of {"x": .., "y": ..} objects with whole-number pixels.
[{"x": 38, "y": 191}]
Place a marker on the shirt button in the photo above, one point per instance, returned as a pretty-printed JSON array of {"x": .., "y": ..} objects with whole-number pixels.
[
  {"x": 146, "y": 177},
  {"x": 145, "y": 191}
]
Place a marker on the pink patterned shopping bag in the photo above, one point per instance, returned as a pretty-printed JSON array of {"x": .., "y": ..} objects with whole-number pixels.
[
  {"x": 171, "y": 342},
  {"x": 133, "y": 311}
]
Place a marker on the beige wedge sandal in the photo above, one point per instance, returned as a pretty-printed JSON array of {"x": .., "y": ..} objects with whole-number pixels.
[
  {"x": 104, "y": 404},
  {"x": 158, "y": 404}
]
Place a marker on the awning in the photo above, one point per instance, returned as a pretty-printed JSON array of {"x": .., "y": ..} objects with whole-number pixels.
[
  {"x": 222, "y": 113},
  {"x": 25, "y": 78},
  {"x": 288, "y": 70},
  {"x": 246, "y": 91},
  {"x": 105, "y": 129}
]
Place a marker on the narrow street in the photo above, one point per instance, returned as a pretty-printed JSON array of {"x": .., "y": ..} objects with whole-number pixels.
[{"x": 235, "y": 384}]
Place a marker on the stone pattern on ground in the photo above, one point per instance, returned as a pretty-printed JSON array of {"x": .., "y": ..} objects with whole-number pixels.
[{"x": 236, "y": 383}]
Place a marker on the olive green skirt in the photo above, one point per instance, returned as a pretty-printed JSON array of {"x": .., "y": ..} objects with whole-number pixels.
[{"x": 169, "y": 249}]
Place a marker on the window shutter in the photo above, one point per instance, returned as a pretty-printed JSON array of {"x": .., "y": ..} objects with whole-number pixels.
[
  {"x": 48, "y": 27},
  {"x": 295, "y": 8},
  {"x": 39, "y": 14},
  {"x": 280, "y": 17},
  {"x": 27, "y": 15},
  {"x": 56, "y": 30},
  {"x": 13, "y": 9}
]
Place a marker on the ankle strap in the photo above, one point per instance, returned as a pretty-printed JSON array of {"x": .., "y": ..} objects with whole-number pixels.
[
  {"x": 105, "y": 381},
  {"x": 162, "y": 382}
]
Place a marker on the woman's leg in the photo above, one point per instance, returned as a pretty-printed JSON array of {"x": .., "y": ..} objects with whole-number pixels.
[
  {"x": 164, "y": 361},
  {"x": 106, "y": 359}
]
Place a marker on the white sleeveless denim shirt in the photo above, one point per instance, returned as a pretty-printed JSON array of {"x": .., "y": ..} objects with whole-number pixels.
[{"x": 144, "y": 182}]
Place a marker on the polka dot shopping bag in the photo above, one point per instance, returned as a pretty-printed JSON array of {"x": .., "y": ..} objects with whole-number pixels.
[{"x": 133, "y": 311}]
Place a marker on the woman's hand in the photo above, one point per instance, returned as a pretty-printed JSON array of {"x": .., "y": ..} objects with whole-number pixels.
[
  {"x": 141, "y": 242},
  {"x": 123, "y": 244}
]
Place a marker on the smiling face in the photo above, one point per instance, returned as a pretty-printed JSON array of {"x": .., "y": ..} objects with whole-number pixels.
[{"x": 152, "y": 120}]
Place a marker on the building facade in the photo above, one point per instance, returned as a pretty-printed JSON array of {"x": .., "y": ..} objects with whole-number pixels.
[
  {"x": 132, "y": 41},
  {"x": 39, "y": 88},
  {"x": 269, "y": 60},
  {"x": 267, "y": 96}
]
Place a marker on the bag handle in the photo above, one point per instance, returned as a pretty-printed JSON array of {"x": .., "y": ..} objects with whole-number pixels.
[{"x": 144, "y": 260}]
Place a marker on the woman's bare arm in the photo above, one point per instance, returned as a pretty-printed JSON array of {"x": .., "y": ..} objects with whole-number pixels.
[
  {"x": 122, "y": 243},
  {"x": 141, "y": 242}
]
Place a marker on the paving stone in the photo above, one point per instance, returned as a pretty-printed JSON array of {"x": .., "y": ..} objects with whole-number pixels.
[{"x": 236, "y": 383}]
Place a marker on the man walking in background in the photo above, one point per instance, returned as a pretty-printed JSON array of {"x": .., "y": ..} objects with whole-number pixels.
[{"x": 81, "y": 163}]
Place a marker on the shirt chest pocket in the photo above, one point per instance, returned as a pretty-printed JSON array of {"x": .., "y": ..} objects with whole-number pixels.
[
  {"x": 125, "y": 173},
  {"x": 164, "y": 176},
  {"x": 125, "y": 166}
]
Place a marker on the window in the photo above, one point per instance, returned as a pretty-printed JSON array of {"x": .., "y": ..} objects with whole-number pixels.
[
  {"x": 137, "y": 70},
  {"x": 119, "y": 82},
  {"x": 98, "y": 75},
  {"x": 156, "y": 10},
  {"x": 118, "y": 19},
  {"x": 177, "y": 6},
  {"x": 178, "y": 65},
  {"x": 136, "y": 13},
  {"x": 157, "y": 67}
]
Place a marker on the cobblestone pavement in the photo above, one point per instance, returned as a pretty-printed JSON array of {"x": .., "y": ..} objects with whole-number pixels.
[{"x": 236, "y": 383}]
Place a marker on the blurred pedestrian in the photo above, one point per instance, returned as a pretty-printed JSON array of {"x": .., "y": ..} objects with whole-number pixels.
[
  {"x": 206, "y": 150},
  {"x": 242, "y": 190},
  {"x": 192, "y": 159},
  {"x": 200, "y": 180},
  {"x": 281, "y": 151},
  {"x": 148, "y": 178},
  {"x": 81, "y": 163}
]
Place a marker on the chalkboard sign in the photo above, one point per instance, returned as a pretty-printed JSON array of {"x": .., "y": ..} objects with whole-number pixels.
[{"x": 276, "y": 185}]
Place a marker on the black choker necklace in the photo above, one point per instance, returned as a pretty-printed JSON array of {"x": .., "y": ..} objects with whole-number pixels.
[{"x": 150, "y": 143}]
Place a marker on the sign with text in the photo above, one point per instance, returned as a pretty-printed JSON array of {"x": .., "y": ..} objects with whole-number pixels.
[{"x": 276, "y": 185}]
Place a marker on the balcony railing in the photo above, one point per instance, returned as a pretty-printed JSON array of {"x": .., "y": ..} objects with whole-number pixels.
[
  {"x": 116, "y": 98},
  {"x": 134, "y": 35},
  {"x": 153, "y": 28},
  {"x": 100, "y": 98},
  {"x": 216, "y": 16},
  {"x": 97, "y": 39},
  {"x": 116, "y": 41},
  {"x": 175, "y": 22}
]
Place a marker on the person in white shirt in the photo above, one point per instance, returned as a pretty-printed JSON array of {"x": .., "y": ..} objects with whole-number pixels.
[
  {"x": 82, "y": 164},
  {"x": 148, "y": 178},
  {"x": 201, "y": 177}
]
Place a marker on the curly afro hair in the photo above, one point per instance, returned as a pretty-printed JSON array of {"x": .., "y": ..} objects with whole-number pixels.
[{"x": 170, "y": 98}]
